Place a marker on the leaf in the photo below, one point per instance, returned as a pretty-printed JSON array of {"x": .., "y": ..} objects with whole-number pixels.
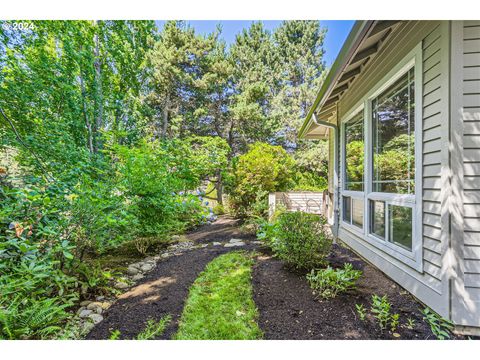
[{"x": 68, "y": 255}]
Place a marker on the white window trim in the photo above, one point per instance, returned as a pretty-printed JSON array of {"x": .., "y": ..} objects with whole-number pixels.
[
  {"x": 360, "y": 195},
  {"x": 413, "y": 258}
]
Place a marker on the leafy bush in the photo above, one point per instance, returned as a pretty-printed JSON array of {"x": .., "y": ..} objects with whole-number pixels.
[
  {"x": 300, "y": 239},
  {"x": 381, "y": 312},
  {"x": 263, "y": 169},
  {"x": 328, "y": 283}
]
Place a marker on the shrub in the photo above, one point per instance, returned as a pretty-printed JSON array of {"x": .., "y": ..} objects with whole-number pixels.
[
  {"x": 440, "y": 327},
  {"x": 219, "y": 209},
  {"x": 263, "y": 169},
  {"x": 300, "y": 239},
  {"x": 381, "y": 312},
  {"x": 328, "y": 283}
]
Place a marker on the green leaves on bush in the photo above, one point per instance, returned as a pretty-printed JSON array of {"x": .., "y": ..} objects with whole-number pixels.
[
  {"x": 381, "y": 312},
  {"x": 299, "y": 239},
  {"x": 328, "y": 283}
]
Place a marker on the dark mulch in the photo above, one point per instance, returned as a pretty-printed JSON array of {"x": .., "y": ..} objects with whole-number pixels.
[
  {"x": 289, "y": 310},
  {"x": 164, "y": 290}
]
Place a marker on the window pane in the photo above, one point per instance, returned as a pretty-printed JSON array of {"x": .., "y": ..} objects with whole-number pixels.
[
  {"x": 400, "y": 226},
  {"x": 377, "y": 218},
  {"x": 354, "y": 153},
  {"x": 393, "y": 138},
  {"x": 357, "y": 212},
  {"x": 347, "y": 213}
]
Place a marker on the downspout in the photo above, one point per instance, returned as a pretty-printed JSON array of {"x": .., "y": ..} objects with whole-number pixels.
[{"x": 336, "y": 139}]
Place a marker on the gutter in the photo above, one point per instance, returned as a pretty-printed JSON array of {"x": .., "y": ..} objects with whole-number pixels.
[{"x": 359, "y": 30}]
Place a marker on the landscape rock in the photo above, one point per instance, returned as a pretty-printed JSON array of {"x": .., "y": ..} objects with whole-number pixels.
[
  {"x": 147, "y": 267},
  {"x": 137, "y": 277},
  {"x": 233, "y": 241},
  {"x": 132, "y": 270},
  {"x": 106, "y": 305},
  {"x": 233, "y": 244},
  {"x": 100, "y": 298},
  {"x": 94, "y": 305},
  {"x": 83, "y": 313},
  {"x": 87, "y": 326},
  {"x": 96, "y": 318},
  {"x": 120, "y": 285},
  {"x": 216, "y": 243},
  {"x": 165, "y": 255},
  {"x": 85, "y": 303}
]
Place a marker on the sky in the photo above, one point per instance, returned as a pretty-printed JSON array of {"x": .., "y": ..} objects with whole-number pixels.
[{"x": 337, "y": 32}]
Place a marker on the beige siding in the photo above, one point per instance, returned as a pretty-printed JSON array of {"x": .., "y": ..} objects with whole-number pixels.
[
  {"x": 471, "y": 164},
  {"x": 430, "y": 285}
]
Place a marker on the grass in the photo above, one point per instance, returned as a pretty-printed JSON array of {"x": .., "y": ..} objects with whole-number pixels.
[{"x": 220, "y": 304}]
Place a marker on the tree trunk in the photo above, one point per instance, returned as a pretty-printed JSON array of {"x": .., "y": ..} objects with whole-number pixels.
[
  {"x": 98, "y": 88},
  {"x": 219, "y": 187},
  {"x": 85, "y": 114}
]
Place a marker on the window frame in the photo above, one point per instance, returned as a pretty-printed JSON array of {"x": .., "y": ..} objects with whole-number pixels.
[
  {"x": 413, "y": 258},
  {"x": 352, "y": 194}
]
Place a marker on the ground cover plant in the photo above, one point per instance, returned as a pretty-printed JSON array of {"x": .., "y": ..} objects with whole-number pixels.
[
  {"x": 329, "y": 282},
  {"x": 220, "y": 304}
]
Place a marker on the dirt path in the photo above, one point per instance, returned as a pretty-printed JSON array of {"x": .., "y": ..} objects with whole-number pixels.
[{"x": 164, "y": 290}]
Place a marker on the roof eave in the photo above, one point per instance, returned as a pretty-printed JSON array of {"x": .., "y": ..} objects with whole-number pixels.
[{"x": 353, "y": 41}]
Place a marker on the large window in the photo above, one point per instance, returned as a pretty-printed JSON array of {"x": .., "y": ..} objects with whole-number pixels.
[
  {"x": 393, "y": 137},
  {"x": 379, "y": 200},
  {"x": 353, "y": 174}
]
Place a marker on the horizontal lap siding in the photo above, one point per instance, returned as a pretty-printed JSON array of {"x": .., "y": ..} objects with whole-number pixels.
[
  {"x": 471, "y": 143},
  {"x": 434, "y": 119}
]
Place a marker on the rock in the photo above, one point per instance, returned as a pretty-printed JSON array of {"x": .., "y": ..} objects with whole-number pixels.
[
  {"x": 106, "y": 305},
  {"x": 137, "y": 277},
  {"x": 146, "y": 267},
  {"x": 87, "y": 326},
  {"x": 215, "y": 243},
  {"x": 120, "y": 285},
  {"x": 94, "y": 305},
  {"x": 85, "y": 313},
  {"x": 132, "y": 270},
  {"x": 96, "y": 318},
  {"x": 257, "y": 242},
  {"x": 165, "y": 255},
  {"x": 100, "y": 298},
  {"x": 234, "y": 244},
  {"x": 203, "y": 246},
  {"x": 233, "y": 241},
  {"x": 85, "y": 303}
]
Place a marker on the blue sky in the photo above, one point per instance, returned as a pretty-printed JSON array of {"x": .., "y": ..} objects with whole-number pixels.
[{"x": 337, "y": 32}]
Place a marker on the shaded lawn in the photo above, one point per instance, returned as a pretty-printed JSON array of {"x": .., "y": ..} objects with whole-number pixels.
[{"x": 220, "y": 303}]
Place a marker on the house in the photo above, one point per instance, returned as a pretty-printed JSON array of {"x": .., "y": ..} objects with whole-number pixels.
[{"x": 400, "y": 108}]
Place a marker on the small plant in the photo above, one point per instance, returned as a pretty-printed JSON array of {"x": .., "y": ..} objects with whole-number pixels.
[
  {"x": 328, "y": 282},
  {"x": 114, "y": 335},
  {"x": 410, "y": 323},
  {"x": 381, "y": 310},
  {"x": 440, "y": 327},
  {"x": 142, "y": 244},
  {"x": 394, "y": 321},
  {"x": 154, "y": 328},
  {"x": 361, "y": 311}
]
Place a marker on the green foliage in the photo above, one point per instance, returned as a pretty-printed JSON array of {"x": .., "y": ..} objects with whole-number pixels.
[
  {"x": 440, "y": 327},
  {"x": 394, "y": 321},
  {"x": 263, "y": 169},
  {"x": 219, "y": 209},
  {"x": 381, "y": 310},
  {"x": 328, "y": 283},
  {"x": 361, "y": 311},
  {"x": 298, "y": 238},
  {"x": 115, "y": 335},
  {"x": 154, "y": 328},
  {"x": 410, "y": 323},
  {"x": 220, "y": 303}
]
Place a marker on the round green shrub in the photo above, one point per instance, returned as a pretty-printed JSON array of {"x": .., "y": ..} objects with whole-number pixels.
[{"x": 301, "y": 240}]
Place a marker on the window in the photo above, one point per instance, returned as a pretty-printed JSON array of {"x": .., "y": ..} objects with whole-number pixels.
[
  {"x": 353, "y": 170},
  {"x": 354, "y": 149},
  {"x": 393, "y": 137},
  {"x": 381, "y": 197}
]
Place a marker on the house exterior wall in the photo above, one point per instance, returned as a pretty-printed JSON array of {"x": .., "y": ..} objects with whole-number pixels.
[
  {"x": 465, "y": 114},
  {"x": 430, "y": 283}
]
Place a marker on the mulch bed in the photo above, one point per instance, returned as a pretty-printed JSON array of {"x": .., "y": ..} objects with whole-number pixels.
[
  {"x": 164, "y": 290},
  {"x": 288, "y": 309}
]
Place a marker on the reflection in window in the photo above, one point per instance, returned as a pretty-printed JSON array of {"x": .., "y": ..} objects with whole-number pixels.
[
  {"x": 347, "y": 213},
  {"x": 354, "y": 152},
  {"x": 393, "y": 137},
  {"x": 400, "y": 231},
  {"x": 377, "y": 218}
]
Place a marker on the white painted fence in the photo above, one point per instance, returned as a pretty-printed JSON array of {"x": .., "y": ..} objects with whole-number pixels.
[{"x": 306, "y": 201}]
